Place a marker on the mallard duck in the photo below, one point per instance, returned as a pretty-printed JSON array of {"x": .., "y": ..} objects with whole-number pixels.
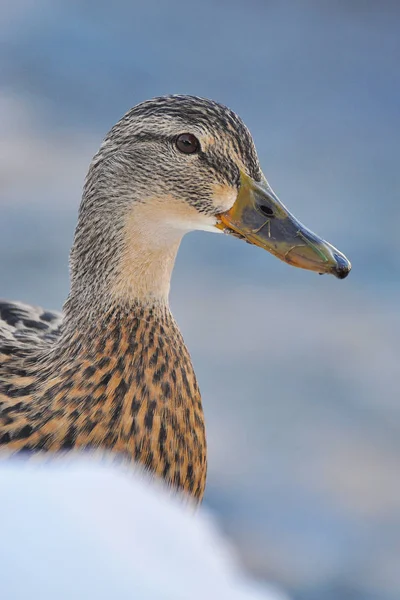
[{"x": 113, "y": 372}]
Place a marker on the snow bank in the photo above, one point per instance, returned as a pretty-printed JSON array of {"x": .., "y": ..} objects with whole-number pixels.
[{"x": 82, "y": 530}]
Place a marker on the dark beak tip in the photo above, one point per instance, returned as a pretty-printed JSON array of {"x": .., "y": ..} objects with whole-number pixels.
[{"x": 343, "y": 267}]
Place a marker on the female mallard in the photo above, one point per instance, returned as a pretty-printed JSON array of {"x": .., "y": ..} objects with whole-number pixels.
[{"x": 113, "y": 372}]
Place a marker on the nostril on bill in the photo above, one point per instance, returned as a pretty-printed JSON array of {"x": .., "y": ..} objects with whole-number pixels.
[{"x": 266, "y": 210}]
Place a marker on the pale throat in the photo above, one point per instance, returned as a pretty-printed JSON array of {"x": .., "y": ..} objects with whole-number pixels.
[{"x": 152, "y": 235}]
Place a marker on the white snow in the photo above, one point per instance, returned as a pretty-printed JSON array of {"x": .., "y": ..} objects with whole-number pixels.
[{"x": 83, "y": 530}]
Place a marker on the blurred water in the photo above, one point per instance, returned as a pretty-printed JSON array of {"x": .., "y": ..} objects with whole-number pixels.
[{"x": 299, "y": 373}]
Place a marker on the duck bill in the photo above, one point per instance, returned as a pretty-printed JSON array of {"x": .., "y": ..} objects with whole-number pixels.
[{"x": 259, "y": 217}]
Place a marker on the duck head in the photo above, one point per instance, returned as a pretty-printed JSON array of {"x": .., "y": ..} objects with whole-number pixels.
[{"x": 175, "y": 164}]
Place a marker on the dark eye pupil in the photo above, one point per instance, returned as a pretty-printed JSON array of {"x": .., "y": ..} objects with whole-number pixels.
[{"x": 187, "y": 143}]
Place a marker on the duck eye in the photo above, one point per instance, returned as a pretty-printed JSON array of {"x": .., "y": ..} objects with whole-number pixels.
[{"x": 187, "y": 143}]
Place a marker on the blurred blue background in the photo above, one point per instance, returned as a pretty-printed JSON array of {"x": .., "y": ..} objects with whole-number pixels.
[{"x": 299, "y": 373}]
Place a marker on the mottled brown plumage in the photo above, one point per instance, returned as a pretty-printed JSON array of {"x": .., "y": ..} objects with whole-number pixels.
[{"x": 126, "y": 384}]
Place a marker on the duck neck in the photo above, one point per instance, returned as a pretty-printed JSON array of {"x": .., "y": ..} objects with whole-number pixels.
[
  {"x": 122, "y": 264},
  {"x": 144, "y": 270}
]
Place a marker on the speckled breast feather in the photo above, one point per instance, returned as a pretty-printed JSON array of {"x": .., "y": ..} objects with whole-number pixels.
[{"x": 126, "y": 385}]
